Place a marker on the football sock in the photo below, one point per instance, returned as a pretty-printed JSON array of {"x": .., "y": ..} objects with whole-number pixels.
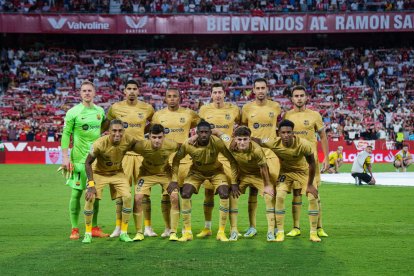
[
  {"x": 252, "y": 210},
  {"x": 313, "y": 212},
  {"x": 95, "y": 213},
  {"x": 175, "y": 212},
  {"x": 270, "y": 212},
  {"x": 165, "y": 208},
  {"x": 118, "y": 210},
  {"x": 146, "y": 207},
  {"x": 126, "y": 213},
  {"x": 320, "y": 212},
  {"x": 74, "y": 207},
  {"x": 88, "y": 212},
  {"x": 224, "y": 213},
  {"x": 280, "y": 210},
  {"x": 186, "y": 212},
  {"x": 208, "y": 204},
  {"x": 138, "y": 216},
  {"x": 234, "y": 212},
  {"x": 296, "y": 209}
]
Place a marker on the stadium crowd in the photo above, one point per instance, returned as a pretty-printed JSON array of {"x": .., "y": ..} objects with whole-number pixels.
[
  {"x": 257, "y": 7},
  {"x": 361, "y": 93}
]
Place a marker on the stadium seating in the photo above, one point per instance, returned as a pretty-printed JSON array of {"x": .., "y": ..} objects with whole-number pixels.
[{"x": 369, "y": 86}]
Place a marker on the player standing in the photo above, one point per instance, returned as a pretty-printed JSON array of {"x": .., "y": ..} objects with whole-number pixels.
[
  {"x": 83, "y": 122},
  {"x": 308, "y": 123},
  {"x": 134, "y": 114},
  {"x": 205, "y": 166},
  {"x": 223, "y": 117},
  {"x": 261, "y": 118},
  {"x": 297, "y": 168},
  {"x": 155, "y": 169},
  {"x": 109, "y": 150},
  {"x": 177, "y": 122}
]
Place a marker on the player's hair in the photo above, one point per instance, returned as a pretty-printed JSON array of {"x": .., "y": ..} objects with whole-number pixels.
[
  {"x": 217, "y": 84},
  {"x": 203, "y": 123},
  {"x": 286, "y": 123},
  {"x": 242, "y": 131},
  {"x": 116, "y": 122},
  {"x": 369, "y": 146},
  {"x": 260, "y": 80},
  {"x": 156, "y": 129},
  {"x": 404, "y": 145},
  {"x": 297, "y": 87},
  {"x": 88, "y": 82},
  {"x": 341, "y": 147},
  {"x": 172, "y": 88},
  {"x": 137, "y": 83}
]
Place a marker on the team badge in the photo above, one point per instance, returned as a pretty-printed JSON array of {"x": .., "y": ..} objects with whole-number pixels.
[
  {"x": 227, "y": 117},
  {"x": 182, "y": 120},
  {"x": 141, "y": 115},
  {"x": 306, "y": 122},
  {"x": 98, "y": 116},
  {"x": 271, "y": 114}
]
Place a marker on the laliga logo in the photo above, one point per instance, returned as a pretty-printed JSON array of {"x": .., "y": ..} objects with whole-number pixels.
[
  {"x": 136, "y": 27},
  {"x": 57, "y": 24}
]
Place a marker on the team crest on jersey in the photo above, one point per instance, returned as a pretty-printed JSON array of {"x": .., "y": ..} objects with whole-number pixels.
[
  {"x": 182, "y": 120},
  {"x": 141, "y": 115},
  {"x": 306, "y": 122},
  {"x": 98, "y": 116},
  {"x": 227, "y": 117},
  {"x": 271, "y": 114}
]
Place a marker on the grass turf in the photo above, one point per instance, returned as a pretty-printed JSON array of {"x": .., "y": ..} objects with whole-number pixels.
[{"x": 370, "y": 232}]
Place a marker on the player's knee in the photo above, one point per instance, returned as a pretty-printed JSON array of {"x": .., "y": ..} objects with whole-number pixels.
[
  {"x": 146, "y": 198},
  {"x": 174, "y": 199},
  {"x": 223, "y": 192},
  {"x": 187, "y": 191},
  {"x": 253, "y": 191},
  {"x": 297, "y": 192},
  {"x": 127, "y": 201},
  {"x": 138, "y": 199}
]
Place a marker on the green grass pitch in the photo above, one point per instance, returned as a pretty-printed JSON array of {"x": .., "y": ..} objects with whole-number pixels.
[{"x": 371, "y": 233}]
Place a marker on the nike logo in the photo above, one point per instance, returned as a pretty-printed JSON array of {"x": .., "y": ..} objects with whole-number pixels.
[
  {"x": 254, "y": 115},
  {"x": 123, "y": 116},
  {"x": 209, "y": 118}
]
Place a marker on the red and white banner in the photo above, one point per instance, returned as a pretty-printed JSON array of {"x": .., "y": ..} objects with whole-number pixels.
[
  {"x": 362, "y": 144},
  {"x": 53, "y": 157},
  {"x": 378, "y": 156},
  {"x": 31, "y": 146},
  {"x": 207, "y": 24}
]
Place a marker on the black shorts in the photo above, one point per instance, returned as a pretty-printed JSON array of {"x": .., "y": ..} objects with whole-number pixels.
[
  {"x": 331, "y": 166},
  {"x": 362, "y": 177}
]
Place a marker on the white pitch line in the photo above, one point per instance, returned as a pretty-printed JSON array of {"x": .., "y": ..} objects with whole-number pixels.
[{"x": 389, "y": 178}]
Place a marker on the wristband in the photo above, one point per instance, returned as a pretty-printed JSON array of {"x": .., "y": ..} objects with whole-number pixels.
[{"x": 91, "y": 184}]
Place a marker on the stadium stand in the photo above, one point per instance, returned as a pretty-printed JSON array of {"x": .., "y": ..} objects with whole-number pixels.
[{"x": 361, "y": 93}]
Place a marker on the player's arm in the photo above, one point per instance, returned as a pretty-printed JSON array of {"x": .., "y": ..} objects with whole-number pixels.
[
  {"x": 233, "y": 167},
  {"x": 105, "y": 125},
  {"x": 243, "y": 120},
  {"x": 312, "y": 167},
  {"x": 337, "y": 165},
  {"x": 325, "y": 149},
  {"x": 181, "y": 153},
  {"x": 268, "y": 187},
  {"x": 66, "y": 133},
  {"x": 91, "y": 191}
]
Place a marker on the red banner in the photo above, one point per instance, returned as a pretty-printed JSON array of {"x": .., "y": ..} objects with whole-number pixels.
[{"x": 207, "y": 24}]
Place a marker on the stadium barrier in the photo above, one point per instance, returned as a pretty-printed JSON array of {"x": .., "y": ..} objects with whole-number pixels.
[{"x": 50, "y": 152}]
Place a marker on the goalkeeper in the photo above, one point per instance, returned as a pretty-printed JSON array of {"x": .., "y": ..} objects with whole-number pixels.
[{"x": 82, "y": 122}]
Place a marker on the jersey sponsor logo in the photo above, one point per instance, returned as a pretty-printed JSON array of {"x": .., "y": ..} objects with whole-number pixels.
[
  {"x": 258, "y": 125},
  {"x": 306, "y": 122},
  {"x": 88, "y": 127},
  {"x": 173, "y": 130},
  {"x": 302, "y": 132},
  {"x": 219, "y": 126},
  {"x": 126, "y": 125}
]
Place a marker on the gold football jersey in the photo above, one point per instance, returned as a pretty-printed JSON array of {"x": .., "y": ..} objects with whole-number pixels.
[
  {"x": 177, "y": 124},
  {"x": 249, "y": 162},
  {"x": 292, "y": 159},
  {"x": 109, "y": 156},
  {"x": 221, "y": 118},
  {"x": 307, "y": 124}
]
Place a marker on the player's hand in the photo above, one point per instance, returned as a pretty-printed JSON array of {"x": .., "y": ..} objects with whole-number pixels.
[
  {"x": 66, "y": 173},
  {"x": 268, "y": 189},
  {"x": 311, "y": 189},
  {"x": 172, "y": 186},
  {"x": 217, "y": 132},
  {"x": 193, "y": 140},
  {"x": 233, "y": 145},
  {"x": 235, "y": 192},
  {"x": 257, "y": 140},
  {"x": 90, "y": 193},
  {"x": 325, "y": 165}
]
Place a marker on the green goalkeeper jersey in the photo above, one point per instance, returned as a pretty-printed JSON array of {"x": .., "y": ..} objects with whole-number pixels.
[{"x": 84, "y": 123}]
